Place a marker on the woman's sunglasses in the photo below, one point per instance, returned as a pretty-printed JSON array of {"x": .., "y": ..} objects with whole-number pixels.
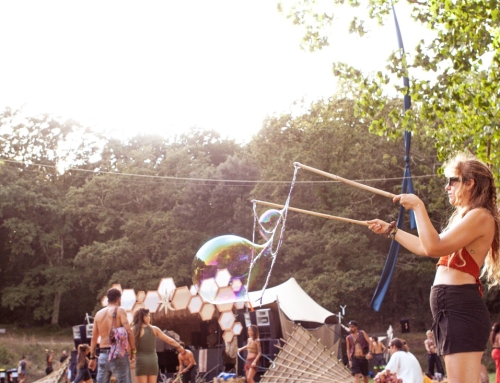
[{"x": 451, "y": 180}]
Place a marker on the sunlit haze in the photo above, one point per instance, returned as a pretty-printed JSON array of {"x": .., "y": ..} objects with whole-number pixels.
[{"x": 165, "y": 66}]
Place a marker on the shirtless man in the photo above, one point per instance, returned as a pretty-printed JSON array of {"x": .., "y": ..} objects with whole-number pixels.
[
  {"x": 103, "y": 322},
  {"x": 358, "y": 346},
  {"x": 187, "y": 365},
  {"x": 377, "y": 349},
  {"x": 433, "y": 358}
]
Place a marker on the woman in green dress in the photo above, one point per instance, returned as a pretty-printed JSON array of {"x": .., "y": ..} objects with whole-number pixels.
[{"x": 146, "y": 367}]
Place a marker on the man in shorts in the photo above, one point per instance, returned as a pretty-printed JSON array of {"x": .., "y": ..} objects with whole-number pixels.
[
  {"x": 358, "y": 347},
  {"x": 377, "y": 350}
]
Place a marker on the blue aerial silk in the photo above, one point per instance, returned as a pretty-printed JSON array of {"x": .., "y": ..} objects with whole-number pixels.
[{"x": 407, "y": 187}]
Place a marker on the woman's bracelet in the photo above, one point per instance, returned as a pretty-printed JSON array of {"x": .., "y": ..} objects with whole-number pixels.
[
  {"x": 391, "y": 230},
  {"x": 392, "y": 234}
]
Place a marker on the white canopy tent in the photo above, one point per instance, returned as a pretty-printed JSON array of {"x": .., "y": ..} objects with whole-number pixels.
[
  {"x": 294, "y": 302},
  {"x": 294, "y": 307}
]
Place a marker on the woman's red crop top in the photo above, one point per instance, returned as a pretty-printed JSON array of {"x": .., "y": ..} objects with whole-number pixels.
[{"x": 463, "y": 261}]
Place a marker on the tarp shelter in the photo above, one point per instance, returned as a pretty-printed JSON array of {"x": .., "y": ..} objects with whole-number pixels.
[{"x": 294, "y": 306}]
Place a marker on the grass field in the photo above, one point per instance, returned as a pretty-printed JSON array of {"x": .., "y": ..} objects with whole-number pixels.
[{"x": 32, "y": 342}]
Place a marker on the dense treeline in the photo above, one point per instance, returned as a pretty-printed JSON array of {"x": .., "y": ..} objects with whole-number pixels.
[{"x": 79, "y": 212}]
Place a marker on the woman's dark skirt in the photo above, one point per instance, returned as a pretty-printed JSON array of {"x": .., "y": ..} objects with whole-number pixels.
[{"x": 461, "y": 319}]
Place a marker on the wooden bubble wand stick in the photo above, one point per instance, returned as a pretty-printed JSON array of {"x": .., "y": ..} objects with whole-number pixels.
[
  {"x": 333, "y": 217},
  {"x": 346, "y": 181}
]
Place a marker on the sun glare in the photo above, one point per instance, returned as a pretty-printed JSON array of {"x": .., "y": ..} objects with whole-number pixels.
[{"x": 164, "y": 67}]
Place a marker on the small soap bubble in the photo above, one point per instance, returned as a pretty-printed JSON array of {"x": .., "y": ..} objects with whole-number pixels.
[
  {"x": 268, "y": 222},
  {"x": 226, "y": 260}
]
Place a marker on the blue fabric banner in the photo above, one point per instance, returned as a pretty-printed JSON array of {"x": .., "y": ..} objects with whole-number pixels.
[{"x": 407, "y": 187}]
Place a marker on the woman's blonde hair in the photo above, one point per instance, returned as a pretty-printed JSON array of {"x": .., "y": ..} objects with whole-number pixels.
[{"x": 482, "y": 195}]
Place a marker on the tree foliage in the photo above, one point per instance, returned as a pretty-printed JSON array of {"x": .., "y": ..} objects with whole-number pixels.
[
  {"x": 454, "y": 76},
  {"x": 38, "y": 239}
]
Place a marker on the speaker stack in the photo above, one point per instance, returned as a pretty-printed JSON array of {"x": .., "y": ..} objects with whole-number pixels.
[
  {"x": 265, "y": 323},
  {"x": 82, "y": 334}
]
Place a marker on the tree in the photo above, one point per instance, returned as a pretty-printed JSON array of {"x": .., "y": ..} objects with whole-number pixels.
[
  {"x": 457, "y": 102},
  {"x": 39, "y": 241}
]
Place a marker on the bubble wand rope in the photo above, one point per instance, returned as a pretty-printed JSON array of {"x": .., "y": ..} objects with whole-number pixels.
[
  {"x": 346, "y": 181},
  {"x": 271, "y": 240},
  {"x": 332, "y": 217}
]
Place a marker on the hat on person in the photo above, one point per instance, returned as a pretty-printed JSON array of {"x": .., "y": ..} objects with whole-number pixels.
[{"x": 353, "y": 323}]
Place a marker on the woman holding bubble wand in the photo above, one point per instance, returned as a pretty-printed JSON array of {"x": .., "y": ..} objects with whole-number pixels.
[{"x": 461, "y": 320}]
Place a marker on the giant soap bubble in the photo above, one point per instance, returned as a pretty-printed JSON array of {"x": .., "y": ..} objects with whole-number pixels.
[
  {"x": 268, "y": 223},
  {"x": 221, "y": 268}
]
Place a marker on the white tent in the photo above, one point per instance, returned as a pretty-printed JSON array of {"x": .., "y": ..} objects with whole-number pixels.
[{"x": 294, "y": 302}]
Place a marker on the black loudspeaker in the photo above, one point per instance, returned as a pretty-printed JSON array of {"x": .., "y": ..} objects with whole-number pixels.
[
  {"x": 265, "y": 323},
  {"x": 172, "y": 360},
  {"x": 83, "y": 333},
  {"x": 12, "y": 375},
  {"x": 269, "y": 349},
  {"x": 162, "y": 361},
  {"x": 80, "y": 335},
  {"x": 405, "y": 325}
]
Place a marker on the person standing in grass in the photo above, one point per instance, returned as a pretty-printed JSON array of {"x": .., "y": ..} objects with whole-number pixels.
[
  {"x": 433, "y": 359},
  {"x": 21, "y": 369},
  {"x": 49, "y": 358},
  {"x": 358, "y": 347},
  {"x": 377, "y": 349}
]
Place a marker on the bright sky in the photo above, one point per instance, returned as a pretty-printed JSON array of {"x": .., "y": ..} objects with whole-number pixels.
[{"x": 164, "y": 66}]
